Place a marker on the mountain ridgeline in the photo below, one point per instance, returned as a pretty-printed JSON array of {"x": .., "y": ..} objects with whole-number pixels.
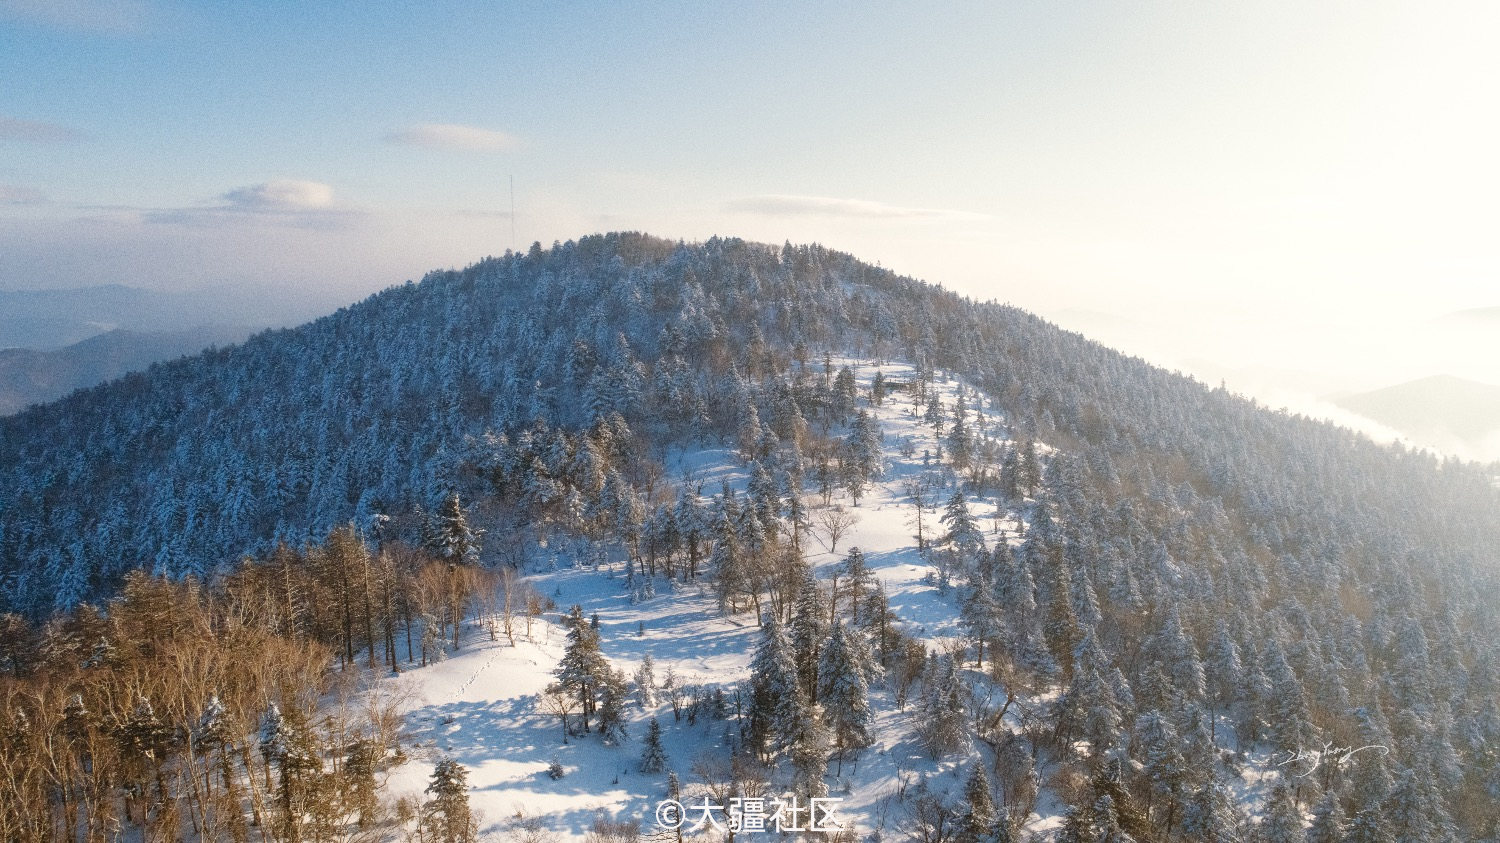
[{"x": 371, "y": 410}]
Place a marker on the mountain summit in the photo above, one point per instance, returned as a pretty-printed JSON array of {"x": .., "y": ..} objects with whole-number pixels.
[{"x": 368, "y": 411}]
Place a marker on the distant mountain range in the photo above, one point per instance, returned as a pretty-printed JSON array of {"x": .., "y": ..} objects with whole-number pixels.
[
  {"x": 46, "y": 320},
  {"x": 1441, "y": 406},
  {"x": 53, "y": 342},
  {"x": 28, "y": 376}
]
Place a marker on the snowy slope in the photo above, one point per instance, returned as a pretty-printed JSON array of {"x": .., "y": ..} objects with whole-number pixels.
[{"x": 481, "y": 706}]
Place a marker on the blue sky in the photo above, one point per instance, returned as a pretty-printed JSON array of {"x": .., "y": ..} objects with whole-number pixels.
[{"x": 1249, "y": 185}]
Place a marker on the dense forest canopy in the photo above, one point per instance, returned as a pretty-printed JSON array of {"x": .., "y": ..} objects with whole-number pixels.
[{"x": 185, "y": 467}]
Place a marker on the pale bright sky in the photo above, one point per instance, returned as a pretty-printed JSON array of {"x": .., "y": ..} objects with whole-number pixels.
[{"x": 1282, "y": 194}]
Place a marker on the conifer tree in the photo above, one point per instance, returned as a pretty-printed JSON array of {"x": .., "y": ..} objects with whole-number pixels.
[
  {"x": 776, "y": 699},
  {"x": 942, "y": 723},
  {"x": 359, "y": 779},
  {"x": 878, "y": 388},
  {"x": 1289, "y": 717},
  {"x": 980, "y": 823},
  {"x": 842, "y": 691},
  {"x": 1368, "y": 826},
  {"x": 447, "y": 812},
  {"x": 964, "y": 533},
  {"x": 980, "y": 613},
  {"x": 843, "y": 393},
  {"x": 1328, "y": 821},
  {"x": 809, "y": 628},
  {"x": 1109, "y": 780},
  {"x": 858, "y": 581},
  {"x": 1176, "y": 651},
  {"x": 583, "y": 670},
  {"x": 765, "y": 499},
  {"x": 797, "y": 518},
  {"x": 1209, "y": 815},
  {"x": 808, "y": 751},
  {"x": 287, "y": 743},
  {"x": 728, "y": 560},
  {"x": 1107, "y": 827},
  {"x": 1283, "y": 820},
  {"x": 645, "y": 681},
  {"x": 862, "y": 448},
  {"x": 1160, "y": 751},
  {"x": 1415, "y": 811},
  {"x": 452, "y": 538},
  {"x": 653, "y": 756},
  {"x": 613, "y": 695},
  {"x": 934, "y": 414},
  {"x": 960, "y": 442}
]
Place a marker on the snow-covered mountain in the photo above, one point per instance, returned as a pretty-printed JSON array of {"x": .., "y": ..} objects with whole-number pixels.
[{"x": 1093, "y": 600}]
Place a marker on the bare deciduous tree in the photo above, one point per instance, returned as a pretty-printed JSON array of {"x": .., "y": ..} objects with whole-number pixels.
[
  {"x": 836, "y": 523},
  {"x": 560, "y": 703}
]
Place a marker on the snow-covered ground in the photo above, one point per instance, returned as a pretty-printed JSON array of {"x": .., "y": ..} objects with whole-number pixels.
[{"x": 482, "y": 706}]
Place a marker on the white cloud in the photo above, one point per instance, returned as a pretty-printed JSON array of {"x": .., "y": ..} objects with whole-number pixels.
[
  {"x": 453, "y": 136},
  {"x": 286, "y": 202},
  {"x": 780, "y": 205},
  {"x": 14, "y": 194},
  {"x": 35, "y": 131},
  {"x": 119, "y": 16},
  {"x": 281, "y": 195}
]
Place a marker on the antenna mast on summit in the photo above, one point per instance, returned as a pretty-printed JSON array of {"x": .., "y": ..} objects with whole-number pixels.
[{"x": 512, "y": 212}]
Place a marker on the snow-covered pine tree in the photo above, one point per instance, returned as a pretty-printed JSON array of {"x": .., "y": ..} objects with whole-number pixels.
[
  {"x": 964, "y": 533},
  {"x": 797, "y": 518},
  {"x": 287, "y": 743},
  {"x": 980, "y": 822},
  {"x": 728, "y": 561},
  {"x": 452, "y": 538},
  {"x": 360, "y": 762},
  {"x": 809, "y": 629},
  {"x": 446, "y": 814},
  {"x": 776, "y": 699},
  {"x": 808, "y": 750},
  {"x": 1327, "y": 822},
  {"x": 1158, "y": 748},
  {"x": 614, "y": 694},
  {"x": 1290, "y": 719},
  {"x": 645, "y": 682},
  {"x": 1107, "y": 827},
  {"x": 856, "y": 581},
  {"x": 862, "y": 447},
  {"x": 1209, "y": 815},
  {"x": 1172, "y": 647},
  {"x": 653, "y": 756},
  {"x": 1282, "y": 822},
  {"x": 843, "y": 692},
  {"x": 1368, "y": 826},
  {"x": 843, "y": 396},
  {"x": 765, "y": 499},
  {"x": 960, "y": 441},
  {"x": 979, "y": 612},
  {"x": 942, "y": 721},
  {"x": 583, "y": 669}
]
